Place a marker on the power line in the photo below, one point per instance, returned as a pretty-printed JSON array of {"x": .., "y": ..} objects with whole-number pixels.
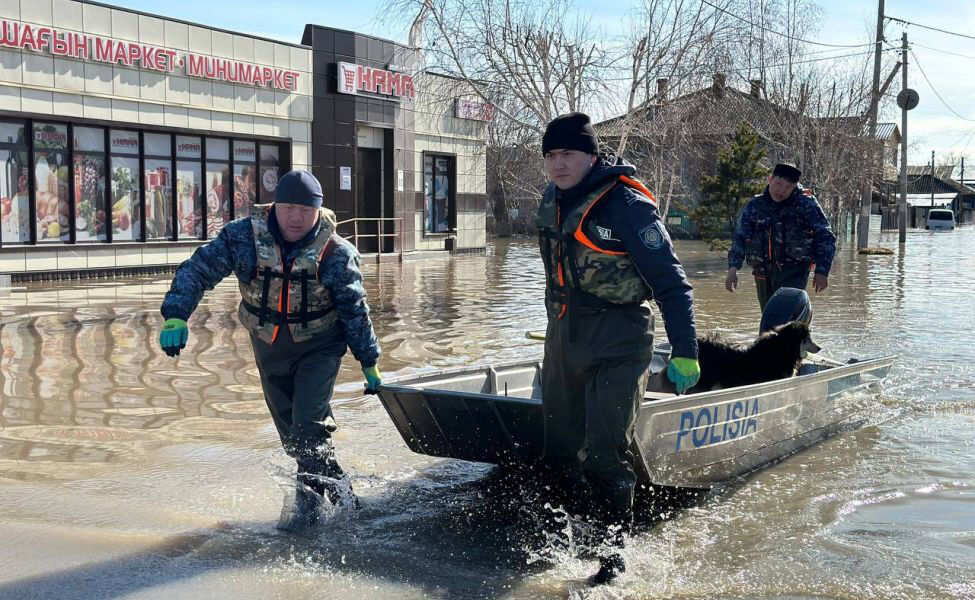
[
  {"x": 967, "y": 134},
  {"x": 752, "y": 69},
  {"x": 925, "y": 75},
  {"x": 944, "y": 51},
  {"x": 762, "y": 27},
  {"x": 971, "y": 37}
]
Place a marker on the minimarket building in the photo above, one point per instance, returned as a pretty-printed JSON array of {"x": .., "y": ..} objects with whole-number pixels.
[{"x": 128, "y": 139}]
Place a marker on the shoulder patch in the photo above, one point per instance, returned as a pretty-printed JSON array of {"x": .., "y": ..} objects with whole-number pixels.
[
  {"x": 631, "y": 196},
  {"x": 653, "y": 236}
]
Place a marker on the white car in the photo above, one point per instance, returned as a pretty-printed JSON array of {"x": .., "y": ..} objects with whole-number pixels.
[{"x": 941, "y": 218}]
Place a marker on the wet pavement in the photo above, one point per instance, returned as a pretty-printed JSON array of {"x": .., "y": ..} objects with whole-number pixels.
[{"x": 127, "y": 474}]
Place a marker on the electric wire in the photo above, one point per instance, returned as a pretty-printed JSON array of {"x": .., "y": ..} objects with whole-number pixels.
[
  {"x": 943, "y": 51},
  {"x": 895, "y": 19},
  {"x": 930, "y": 85},
  {"x": 798, "y": 39}
]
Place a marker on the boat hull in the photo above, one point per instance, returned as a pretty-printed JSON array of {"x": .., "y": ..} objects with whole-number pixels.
[{"x": 493, "y": 414}]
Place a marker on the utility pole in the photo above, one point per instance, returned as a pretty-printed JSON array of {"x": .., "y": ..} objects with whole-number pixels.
[
  {"x": 932, "y": 179},
  {"x": 902, "y": 209},
  {"x": 962, "y": 181},
  {"x": 866, "y": 196}
]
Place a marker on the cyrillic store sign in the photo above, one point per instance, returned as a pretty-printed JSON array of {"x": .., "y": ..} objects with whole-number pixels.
[
  {"x": 36, "y": 38},
  {"x": 357, "y": 79},
  {"x": 476, "y": 110}
]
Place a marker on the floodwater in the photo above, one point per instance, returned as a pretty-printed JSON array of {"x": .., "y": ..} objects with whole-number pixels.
[{"x": 127, "y": 474}]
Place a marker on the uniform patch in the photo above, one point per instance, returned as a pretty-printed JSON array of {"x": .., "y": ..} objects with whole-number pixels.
[
  {"x": 604, "y": 233},
  {"x": 653, "y": 238}
]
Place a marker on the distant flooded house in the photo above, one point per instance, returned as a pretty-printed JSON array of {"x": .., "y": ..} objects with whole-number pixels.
[
  {"x": 679, "y": 138},
  {"x": 926, "y": 191}
]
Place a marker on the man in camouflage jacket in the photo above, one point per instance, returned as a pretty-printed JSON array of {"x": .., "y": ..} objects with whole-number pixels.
[
  {"x": 781, "y": 234},
  {"x": 607, "y": 255},
  {"x": 303, "y": 303}
]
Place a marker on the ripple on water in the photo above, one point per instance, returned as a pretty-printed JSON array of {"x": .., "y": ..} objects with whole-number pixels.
[
  {"x": 879, "y": 512},
  {"x": 112, "y": 438}
]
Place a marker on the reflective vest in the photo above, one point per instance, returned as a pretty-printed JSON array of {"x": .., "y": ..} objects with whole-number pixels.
[
  {"x": 578, "y": 270},
  {"x": 304, "y": 304},
  {"x": 780, "y": 237}
]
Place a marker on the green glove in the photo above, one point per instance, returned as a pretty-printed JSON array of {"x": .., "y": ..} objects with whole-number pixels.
[
  {"x": 684, "y": 372},
  {"x": 173, "y": 336},
  {"x": 373, "y": 379}
]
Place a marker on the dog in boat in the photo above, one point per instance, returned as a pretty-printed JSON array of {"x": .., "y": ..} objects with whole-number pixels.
[{"x": 776, "y": 354}]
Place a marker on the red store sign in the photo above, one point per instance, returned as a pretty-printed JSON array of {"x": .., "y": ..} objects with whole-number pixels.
[
  {"x": 24, "y": 36},
  {"x": 358, "y": 79},
  {"x": 473, "y": 109}
]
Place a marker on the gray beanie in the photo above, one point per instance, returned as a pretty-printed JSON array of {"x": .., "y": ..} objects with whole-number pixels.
[{"x": 299, "y": 187}]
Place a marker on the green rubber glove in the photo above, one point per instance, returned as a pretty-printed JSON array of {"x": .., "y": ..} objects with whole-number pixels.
[
  {"x": 684, "y": 372},
  {"x": 173, "y": 336},
  {"x": 373, "y": 379}
]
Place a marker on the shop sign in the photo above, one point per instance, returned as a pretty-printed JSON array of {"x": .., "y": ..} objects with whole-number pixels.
[
  {"x": 245, "y": 152},
  {"x": 51, "y": 137},
  {"x": 188, "y": 147},
  {"x": 476, "y": 110},
  {"x": 358, "y": 79},
  {"x": 124, "y": 142},
  {"x": 37, "y": 38}
]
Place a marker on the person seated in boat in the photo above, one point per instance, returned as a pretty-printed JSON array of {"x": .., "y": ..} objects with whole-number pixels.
[{"x": 606, "y": 254}]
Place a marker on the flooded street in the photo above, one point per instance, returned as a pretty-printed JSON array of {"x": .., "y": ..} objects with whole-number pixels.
[{"x": 127, "y": 474}]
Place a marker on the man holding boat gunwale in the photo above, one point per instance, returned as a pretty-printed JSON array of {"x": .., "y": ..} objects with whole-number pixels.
[
  {"x": 303, "y": 303},
  {"x": 606, "y": 254}
]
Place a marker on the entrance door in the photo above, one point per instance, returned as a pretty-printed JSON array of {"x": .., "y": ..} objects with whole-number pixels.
[{"x": 369, "y": 194}]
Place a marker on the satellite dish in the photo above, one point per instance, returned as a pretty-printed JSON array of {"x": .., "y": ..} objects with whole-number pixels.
[{"x": 907, "y": 99}]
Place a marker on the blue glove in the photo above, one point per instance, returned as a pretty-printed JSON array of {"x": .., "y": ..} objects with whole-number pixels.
[
  {"x": 173, "y": 336},
  {"x": 684, "y": 372},
  {"x": 373, "y": 379}
]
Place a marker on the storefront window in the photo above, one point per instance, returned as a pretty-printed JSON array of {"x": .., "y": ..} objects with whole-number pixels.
[
  {"x": 159, "y": 199},
  {"x": 14, "y": 185},
  {"x": 217, "y": 185},
  {"x": 159, "y": 186},
  {"x": 51, "y": 182},
  {"x": 269, "y": 172},
  {"x": 125, "y": 185},
  {"x": 437, "y": 193},
  {"x": 89, "y": 184},
  {"x": 245, "y": 179},
  {"x": 84, "y": 183},
  {"x": 189, "y": 187}
]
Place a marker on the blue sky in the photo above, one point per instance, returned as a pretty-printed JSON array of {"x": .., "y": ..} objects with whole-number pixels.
[{"x": 932, "y": 126}]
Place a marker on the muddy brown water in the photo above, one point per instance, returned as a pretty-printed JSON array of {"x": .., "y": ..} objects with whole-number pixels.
[{"x": 126, "y": 474}]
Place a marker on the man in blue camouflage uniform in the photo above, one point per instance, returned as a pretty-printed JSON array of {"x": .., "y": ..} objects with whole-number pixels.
[
  {"x": 606, "y": 254},
  {"x": 782, "y": 232},
  {"x": 303, "y": 303}
]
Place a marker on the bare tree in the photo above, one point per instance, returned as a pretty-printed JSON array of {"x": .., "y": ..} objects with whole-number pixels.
[{"x": 668, "y": 91}]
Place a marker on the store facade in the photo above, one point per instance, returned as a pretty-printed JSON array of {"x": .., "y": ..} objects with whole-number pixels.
[
  {"x": 127, "y": 139},
  {"x": 396, "y": 147}
]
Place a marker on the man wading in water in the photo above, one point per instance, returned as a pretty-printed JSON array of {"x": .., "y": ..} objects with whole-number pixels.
[
  {"x": 303, "y": 304},
  {"x": 781, "y": 234},
  {"x": 606, "y": 255}
]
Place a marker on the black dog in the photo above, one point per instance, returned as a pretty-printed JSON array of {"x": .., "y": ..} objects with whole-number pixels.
[{"x": 776, "y": 354}]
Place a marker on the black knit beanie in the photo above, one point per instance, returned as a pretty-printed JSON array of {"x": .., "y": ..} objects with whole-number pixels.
[
  {"x": 299, "y": 187},
  {"x": 572, "y": 131}
]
